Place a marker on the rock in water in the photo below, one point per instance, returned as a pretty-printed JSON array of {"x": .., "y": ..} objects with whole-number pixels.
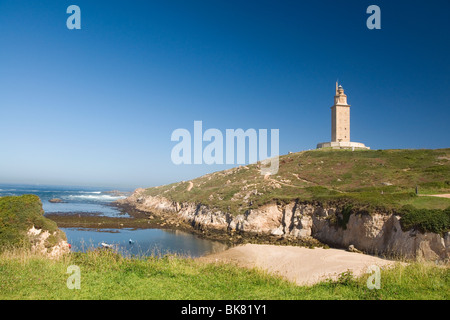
[{"x": 55, "y": 200}]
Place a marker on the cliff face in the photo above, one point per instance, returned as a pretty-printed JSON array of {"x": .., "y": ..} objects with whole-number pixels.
[
  {"x": 40, "y": 243},
  {"x": 376, "y": 233}
]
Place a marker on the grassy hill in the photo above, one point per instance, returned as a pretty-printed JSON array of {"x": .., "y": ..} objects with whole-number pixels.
[
  {"x": 370, "y": 179},
  {"x": 18, "y": 215}
]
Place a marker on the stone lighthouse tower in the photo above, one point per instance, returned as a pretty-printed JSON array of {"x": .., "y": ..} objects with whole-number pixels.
[
  {"x": 340, "y": 117},
  {"x": 340, "y": 124}
]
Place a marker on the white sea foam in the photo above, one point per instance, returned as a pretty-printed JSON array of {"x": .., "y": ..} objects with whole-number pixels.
[
  {"x": 103, "y": 197},
  {"x": 67, "y": 191},
  {"x": 94, "y": 192}
]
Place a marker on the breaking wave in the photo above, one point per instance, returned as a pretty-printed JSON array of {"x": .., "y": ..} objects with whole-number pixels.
[{"x": 100, "y": 197}]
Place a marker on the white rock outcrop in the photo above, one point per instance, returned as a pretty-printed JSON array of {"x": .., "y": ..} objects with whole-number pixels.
[
  {"x": 376, "y": 233},
  {"x": 38, "y": 240}
]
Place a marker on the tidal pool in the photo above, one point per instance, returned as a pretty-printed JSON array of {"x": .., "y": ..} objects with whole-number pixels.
[{"x": 142, "y": 242}]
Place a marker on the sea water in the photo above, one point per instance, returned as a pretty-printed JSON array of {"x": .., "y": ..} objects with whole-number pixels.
[
  {"x": 75, "y": 199},
  {"x": 82, "y": 200}
]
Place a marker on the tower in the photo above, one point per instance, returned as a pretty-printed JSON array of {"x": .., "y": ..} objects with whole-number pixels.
[
  {"x": 340, "y": 124},
  {"x": 340, "y": 117}
]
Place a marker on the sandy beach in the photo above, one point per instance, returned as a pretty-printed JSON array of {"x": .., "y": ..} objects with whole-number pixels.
[{"x": 301, "y": 265}]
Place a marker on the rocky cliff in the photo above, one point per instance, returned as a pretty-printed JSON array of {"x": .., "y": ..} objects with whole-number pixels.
[
  {"x": 41, "y": 243},
  {"x": 375, "y": 233}
]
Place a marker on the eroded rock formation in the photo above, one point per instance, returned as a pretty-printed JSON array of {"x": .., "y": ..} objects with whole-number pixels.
[{"x": 375, "y": 233}]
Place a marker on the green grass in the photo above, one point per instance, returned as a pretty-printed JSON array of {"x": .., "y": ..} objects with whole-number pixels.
[
  {"x": 105, "y": 275},
  {"x": 427, "y": 202},
  {"x": 371, "y": 179}
]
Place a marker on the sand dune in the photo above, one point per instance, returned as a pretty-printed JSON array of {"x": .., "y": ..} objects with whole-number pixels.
[{"x": 303, "y": 266}]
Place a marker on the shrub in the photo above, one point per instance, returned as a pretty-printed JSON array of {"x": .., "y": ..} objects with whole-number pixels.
[
  {"x": 425, "y": 220},
  {"x": 346, "y": 213}
]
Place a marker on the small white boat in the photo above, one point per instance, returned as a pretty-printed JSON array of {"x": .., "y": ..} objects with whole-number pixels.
[{"x": 106, "y": 245}]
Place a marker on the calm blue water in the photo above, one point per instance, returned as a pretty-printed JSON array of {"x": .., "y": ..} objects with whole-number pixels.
[
  {"x": 95, "y": 200},
  {"x": 76, "y": 199},
  {"x": 145, "y": 242}
]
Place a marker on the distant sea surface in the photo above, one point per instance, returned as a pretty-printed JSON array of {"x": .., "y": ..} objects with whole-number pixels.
[{"x": 75, "y": 199}]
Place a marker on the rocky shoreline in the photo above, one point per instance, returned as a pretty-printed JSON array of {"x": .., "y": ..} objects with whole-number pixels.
[
  {"x": 299, "y": 223},
  {"x": 166, "y": 220},
  {"x": 140, "y": 219},
  {"x": 294, "y": 223}
]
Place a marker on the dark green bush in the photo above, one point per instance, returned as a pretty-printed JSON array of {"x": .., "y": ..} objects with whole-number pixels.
[
  {"x": 425, "y": 220},
  {"x": 346, "y": 213}
]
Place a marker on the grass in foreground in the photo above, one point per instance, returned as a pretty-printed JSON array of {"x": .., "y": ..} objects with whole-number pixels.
[{"x": 105, "y": 275}]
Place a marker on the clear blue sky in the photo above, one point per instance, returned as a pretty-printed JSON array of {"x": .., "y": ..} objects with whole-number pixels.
[{"x": 97, "y": 106}]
